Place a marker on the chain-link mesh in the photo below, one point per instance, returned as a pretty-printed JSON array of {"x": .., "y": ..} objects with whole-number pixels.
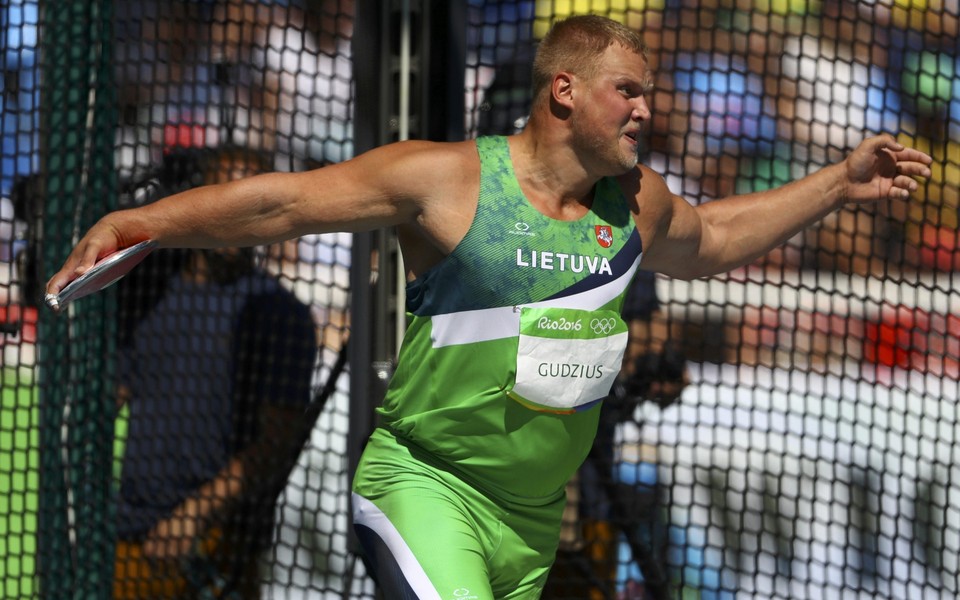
[
  {"x": 810, "y": 452},
  {"x": 19, "y": 131},
  {"x": 230, "y": 478}
]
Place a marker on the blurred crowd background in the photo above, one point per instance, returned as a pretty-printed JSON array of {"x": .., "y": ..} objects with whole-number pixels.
[
  {"x": 750, "y": 94},
  {"x": 753, "y": 93}
]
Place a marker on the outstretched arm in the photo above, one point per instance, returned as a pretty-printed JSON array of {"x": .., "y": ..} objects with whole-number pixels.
[
  {"x": 387, "y": 186},
  {"x": 688, "y": 242}
]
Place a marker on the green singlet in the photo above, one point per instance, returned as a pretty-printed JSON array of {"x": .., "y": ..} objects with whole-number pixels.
[{"x": 512, "y": 342}]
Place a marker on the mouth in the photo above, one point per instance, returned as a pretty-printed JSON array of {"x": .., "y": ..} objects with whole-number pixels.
[{"x": 632, "y": 136}]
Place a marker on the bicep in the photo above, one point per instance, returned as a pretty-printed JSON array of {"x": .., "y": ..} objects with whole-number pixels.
[{"x": 388, "y": 186}]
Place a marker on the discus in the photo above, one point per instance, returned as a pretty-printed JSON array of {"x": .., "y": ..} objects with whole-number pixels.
[{"x": 107, "y": 271}]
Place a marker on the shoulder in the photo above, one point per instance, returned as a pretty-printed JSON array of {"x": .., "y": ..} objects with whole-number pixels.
[
  {"x": 421, "y": 153},
  {"x": 412, "y": 173},
  {"x": 648, "y": 196},
  {"x": 396, "y": 169},
  {"x": 655, "y": 208},
  {"x": 426, "y": 161},
  {"x": 443, "y": 179},
  {"x": 644, "y": 185}
]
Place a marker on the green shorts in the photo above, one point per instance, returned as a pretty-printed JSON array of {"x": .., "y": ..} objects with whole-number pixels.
[{"x": 428, "y": 534}]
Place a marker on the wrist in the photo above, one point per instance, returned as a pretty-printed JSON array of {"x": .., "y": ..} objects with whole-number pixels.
[{"x": 837, "y": 186}]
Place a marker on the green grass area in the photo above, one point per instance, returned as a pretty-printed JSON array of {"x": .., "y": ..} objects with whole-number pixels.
[{"x": 19, "y": 484}]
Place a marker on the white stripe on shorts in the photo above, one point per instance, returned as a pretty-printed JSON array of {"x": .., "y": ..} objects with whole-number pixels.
[{"x": 367, "y": 514}]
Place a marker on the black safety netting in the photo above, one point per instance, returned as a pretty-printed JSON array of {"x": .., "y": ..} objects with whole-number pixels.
[{"x": 786, "y": 430}]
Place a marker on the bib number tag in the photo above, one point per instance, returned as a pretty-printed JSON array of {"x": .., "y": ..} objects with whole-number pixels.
[{"x": 567, "y": 358}]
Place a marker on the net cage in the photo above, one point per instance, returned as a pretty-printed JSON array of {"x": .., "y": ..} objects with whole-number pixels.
[{"x": 786, "y": 430}]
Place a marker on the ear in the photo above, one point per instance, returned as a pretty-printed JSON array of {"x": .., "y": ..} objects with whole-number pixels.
[{"x": 562, "y": 89}]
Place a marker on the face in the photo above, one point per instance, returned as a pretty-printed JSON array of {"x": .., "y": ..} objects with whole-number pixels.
[{"x": 611, "y": 109}]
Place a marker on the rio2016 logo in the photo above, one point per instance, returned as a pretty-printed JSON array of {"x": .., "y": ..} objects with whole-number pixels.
[{"x": 561, "y": 324}]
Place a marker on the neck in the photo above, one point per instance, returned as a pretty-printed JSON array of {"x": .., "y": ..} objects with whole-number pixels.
[{"x": 551, "y": 176}]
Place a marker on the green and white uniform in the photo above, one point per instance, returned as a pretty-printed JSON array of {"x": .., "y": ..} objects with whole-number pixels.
[{"x": 512, "y": 341}]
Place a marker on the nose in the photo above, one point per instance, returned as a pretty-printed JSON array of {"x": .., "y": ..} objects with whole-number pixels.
[{"x": 641, "y": 110}]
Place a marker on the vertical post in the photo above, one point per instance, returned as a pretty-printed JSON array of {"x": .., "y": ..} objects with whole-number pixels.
[
  {"x": 75, "y": 537},
  {"x": 444, "y": 52},
  {"x": 371, "y": 120}
]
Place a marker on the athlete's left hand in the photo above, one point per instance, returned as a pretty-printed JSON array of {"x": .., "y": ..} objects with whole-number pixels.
[{"x": 881, "y": 168}]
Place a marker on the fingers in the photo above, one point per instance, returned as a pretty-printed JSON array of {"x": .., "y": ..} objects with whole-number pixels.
[
  {"x": 902, "y": 187},
  {"x": 913, "y": 169},
  {"x": 910, "y": 164},
  {"x": 911, "y": 155},
  {"x": 885, "y": 140},
  {"x": 79, "y": 262},
  {"x": 910, "y": 161},
  {"x": 899, "y": 152},
  {"x": 60, "y": 279}
]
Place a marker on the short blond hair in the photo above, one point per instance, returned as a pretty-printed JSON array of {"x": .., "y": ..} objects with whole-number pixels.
[{"x": 576, "y": 44}]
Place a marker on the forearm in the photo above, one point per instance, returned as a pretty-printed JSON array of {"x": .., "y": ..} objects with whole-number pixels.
[
  {"x": 239, "y": 213},
  {"x": 740, "y": 229},
  {"x": 215, "y": 496},
  {"x": 175, "y": 536},
  {"x": 247, "y": 475},
  {"x": 260, "y": 469}
]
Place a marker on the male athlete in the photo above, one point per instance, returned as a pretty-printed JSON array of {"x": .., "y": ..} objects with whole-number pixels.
[{"x": 513, "y": 299}]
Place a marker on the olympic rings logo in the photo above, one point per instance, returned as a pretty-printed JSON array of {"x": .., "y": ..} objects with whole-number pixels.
[{"x": 603, "y": 326}]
